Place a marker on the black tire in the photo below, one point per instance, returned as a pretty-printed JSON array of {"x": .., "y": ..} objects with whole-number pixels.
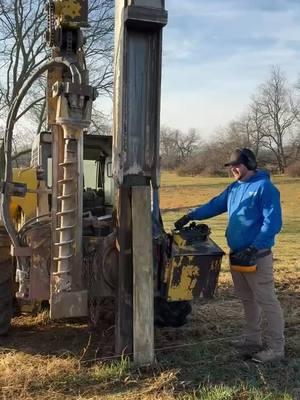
[
  {"x": 6, "y": 306},
  {"x": 166, "y": 314},
  {"x": 101, "y": 312},
  {"x": 171, "y": 314}
]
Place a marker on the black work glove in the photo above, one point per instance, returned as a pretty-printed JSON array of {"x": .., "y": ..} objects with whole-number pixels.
[
  {"x": 245, "y": 257},
  {"x": 179, "y": 224}
]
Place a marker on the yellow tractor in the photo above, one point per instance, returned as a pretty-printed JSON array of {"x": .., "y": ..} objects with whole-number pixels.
[
  {"x": 82, "y": 223},
  {"x": 179, "y": 259}
]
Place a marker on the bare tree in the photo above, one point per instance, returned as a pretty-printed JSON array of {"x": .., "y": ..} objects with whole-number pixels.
[
  {"x": 99, "y": 44},
  {"x": 168, "y": 149},
  {"x": 234, "y": 135},
  {"x": 100, "y": 124},
  {"x": 177, "y": 147},
  {"x": 255, "y": 130},
  {"x": 294, "y": 147},
  {"x": 187, "y": 143},
  {"x": 23, "y": 50},
  {"x": 276, "y": 114},
  {"x": 268, "y": 125}
]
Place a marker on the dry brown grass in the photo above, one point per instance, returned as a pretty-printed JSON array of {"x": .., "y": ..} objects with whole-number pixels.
[{"x": 46, "y": 360}]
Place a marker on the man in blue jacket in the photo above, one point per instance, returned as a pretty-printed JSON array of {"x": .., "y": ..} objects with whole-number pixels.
[{"x": 254, "y": 211}]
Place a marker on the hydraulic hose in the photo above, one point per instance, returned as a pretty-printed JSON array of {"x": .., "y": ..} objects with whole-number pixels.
[{"x": 76, "y": 77}]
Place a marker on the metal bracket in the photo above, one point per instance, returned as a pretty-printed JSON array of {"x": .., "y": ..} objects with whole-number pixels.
[
  {"x": 69, "y": 304},
  {"x": 60, "y": 88},
  {"x": 14, "y": 188},
  {"x": 145, "y": 18},
  {"x": 20, "y": 251}
]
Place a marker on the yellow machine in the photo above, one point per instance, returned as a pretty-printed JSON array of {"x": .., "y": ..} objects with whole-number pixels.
[
  {"x": 77, "y": 218},
  {"x": 195, "y": 264},
  {"x": 24, "y": 208}
]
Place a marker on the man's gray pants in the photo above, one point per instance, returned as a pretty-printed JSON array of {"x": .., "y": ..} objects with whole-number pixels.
[{"x": 257, "y": 293}]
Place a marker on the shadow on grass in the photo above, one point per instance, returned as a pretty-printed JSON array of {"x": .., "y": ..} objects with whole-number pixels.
[{"x": 60, "y": 338}]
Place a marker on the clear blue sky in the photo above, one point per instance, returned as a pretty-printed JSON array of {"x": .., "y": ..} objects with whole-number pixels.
[{"x": 216, "y": 53}]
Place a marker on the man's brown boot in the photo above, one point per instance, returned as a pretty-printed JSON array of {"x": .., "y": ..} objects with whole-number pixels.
[
  {"x": 246, "y": 346},
  {"x": 268, "y": 355}
]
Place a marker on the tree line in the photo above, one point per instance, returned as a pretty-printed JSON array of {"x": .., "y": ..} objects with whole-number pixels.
[{"x": 269, "y": 126}]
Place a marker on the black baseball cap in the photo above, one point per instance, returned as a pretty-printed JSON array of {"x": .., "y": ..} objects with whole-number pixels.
[{"x": 243, "y": 156}]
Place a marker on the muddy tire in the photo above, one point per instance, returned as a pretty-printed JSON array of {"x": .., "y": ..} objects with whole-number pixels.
[
  {"x": 171, "y": 314},
  {"x": 6, "y": 306}
]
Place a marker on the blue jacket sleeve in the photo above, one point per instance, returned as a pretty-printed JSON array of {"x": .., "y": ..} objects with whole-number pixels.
[
  {"x": 216, "y": 206},
  {"x": 272, "y": 218}
]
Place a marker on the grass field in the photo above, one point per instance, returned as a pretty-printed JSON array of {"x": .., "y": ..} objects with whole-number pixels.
[{"x": 46, "y": 360}]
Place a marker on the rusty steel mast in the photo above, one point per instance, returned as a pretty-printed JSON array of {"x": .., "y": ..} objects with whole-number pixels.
[{"x": 138, "y": 52}]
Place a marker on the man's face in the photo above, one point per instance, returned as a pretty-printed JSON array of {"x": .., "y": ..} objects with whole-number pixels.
[{"x": 239, "y": 171}]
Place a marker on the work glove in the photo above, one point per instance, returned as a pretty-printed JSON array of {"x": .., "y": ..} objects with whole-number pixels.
[
  {"x": 179, "y": 224},
  {"x": 245, "y": 257}
]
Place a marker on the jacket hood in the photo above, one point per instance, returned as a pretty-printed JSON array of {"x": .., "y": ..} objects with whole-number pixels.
[{"x": 258, "y": 176}]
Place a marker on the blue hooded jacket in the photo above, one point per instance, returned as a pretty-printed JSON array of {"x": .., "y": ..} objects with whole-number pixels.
[{"x": 254, "y": 212}]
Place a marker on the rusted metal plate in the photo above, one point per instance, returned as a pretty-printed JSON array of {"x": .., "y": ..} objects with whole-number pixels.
[
  {"x": 40, "y": 244},
  {"x": 68, "y": 304},
  {"x": 20, "y": 251}
]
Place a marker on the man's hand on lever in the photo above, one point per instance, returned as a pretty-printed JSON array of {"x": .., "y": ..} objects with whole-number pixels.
[{"x": 179, "y": 224}]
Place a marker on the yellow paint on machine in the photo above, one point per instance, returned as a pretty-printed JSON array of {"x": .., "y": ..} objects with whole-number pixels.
[
  {"x": 178, "y": 240},
  {"x": 27, "y": 204},
  {"x": 71, "y": 13},
  {"x": 71, "y": 8},
  {"x": 181, "y": 286},
  {"x": 67, "y": 8}
]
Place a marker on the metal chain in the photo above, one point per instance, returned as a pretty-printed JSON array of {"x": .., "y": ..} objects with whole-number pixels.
[{"x": 51, "y": 23}]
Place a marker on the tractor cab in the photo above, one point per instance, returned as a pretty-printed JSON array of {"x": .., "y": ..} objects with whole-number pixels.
[{"x": 98, "y": 188}]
